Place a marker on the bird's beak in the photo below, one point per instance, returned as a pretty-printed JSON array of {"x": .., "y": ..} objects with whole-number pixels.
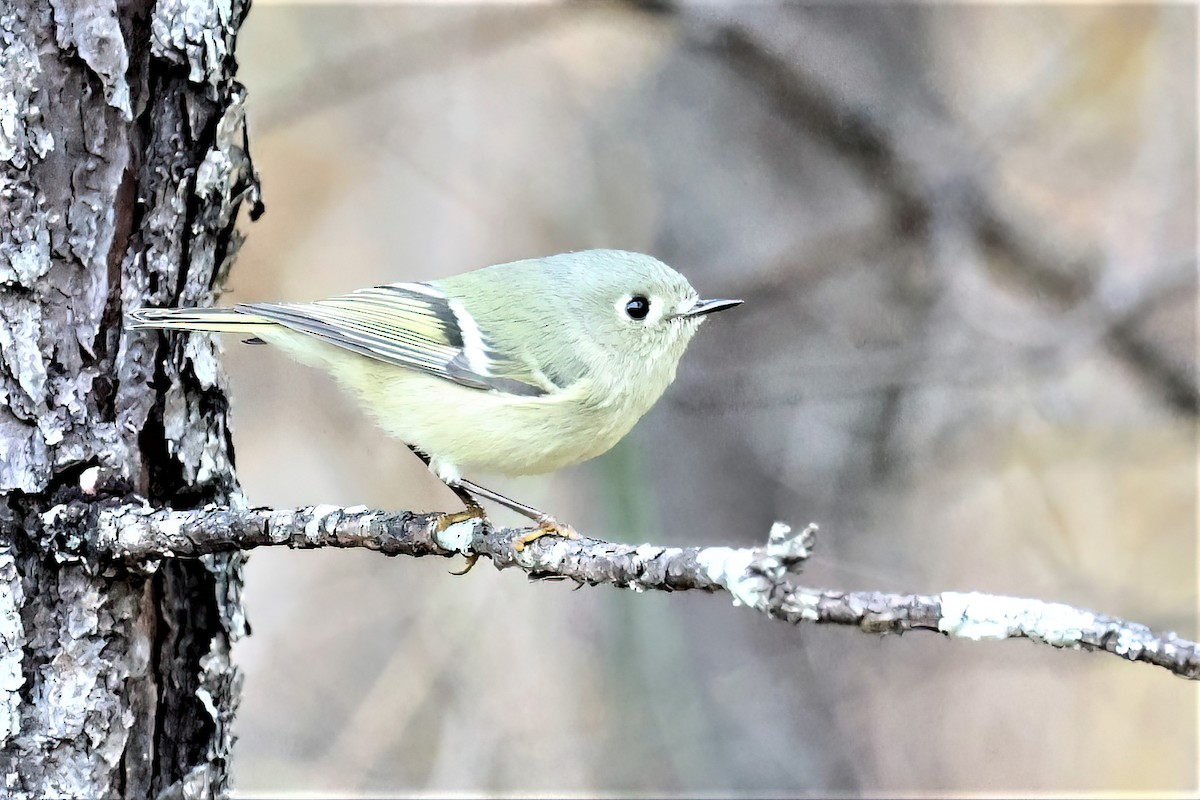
[{"x": 704, "y": 307}]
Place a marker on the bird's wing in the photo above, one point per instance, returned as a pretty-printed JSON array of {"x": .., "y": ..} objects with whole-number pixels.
[{"x": 411, "y": 325}]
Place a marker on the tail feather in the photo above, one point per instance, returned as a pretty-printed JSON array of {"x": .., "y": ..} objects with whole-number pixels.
[{"x": 229, "y": 320}]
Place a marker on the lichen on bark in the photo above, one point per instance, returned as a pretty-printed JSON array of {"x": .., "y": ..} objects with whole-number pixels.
[{"x": 122, "y": 170}]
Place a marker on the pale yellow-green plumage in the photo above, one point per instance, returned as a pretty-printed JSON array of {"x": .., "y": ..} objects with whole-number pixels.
[{"x": 518, "y": 368}]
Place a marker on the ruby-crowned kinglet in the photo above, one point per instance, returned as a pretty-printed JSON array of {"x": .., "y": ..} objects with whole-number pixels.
[{"x": 518, "y": 368}]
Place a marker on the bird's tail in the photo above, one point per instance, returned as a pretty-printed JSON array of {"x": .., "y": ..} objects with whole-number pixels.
[{"x": 226, "y": 320}]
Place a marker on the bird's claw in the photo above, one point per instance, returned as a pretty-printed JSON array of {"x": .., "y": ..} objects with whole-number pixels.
[
  {"x": 547, "y": 526},
  {"x": 444, "y": 521},
  {"x": 471, "y": 559}
]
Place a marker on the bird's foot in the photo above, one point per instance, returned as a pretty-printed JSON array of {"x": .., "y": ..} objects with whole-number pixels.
[
  {"x": 471, "y": 559},
  {"x": 444, "y": 521},
  {"x": 547, "y": 526}
]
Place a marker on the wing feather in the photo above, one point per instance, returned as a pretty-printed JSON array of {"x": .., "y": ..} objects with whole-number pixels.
[{"x": 411, "y": 325}]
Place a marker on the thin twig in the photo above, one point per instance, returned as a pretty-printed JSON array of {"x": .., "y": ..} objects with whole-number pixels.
[{"x": 757, "y": 577}]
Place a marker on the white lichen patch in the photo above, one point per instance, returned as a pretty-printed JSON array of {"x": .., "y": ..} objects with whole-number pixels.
[
  {"x": 1126, "y": 643},
  {"x": 12, "y": 647},
  {"x": 25, "y": 261},
  {"x": 83, "y": 619},
  {"x": 730, "y": 568},
  {"x": 21, "y": 348},
  {"x": 203, "y": 352},
  {"x": 22, "y": 131},
  {"x": 193, "y": 34},
  {"x": 88, "y": 479},
  {"x": 50, "y": 516},
  {"x": 805, "y": 604},
  {"x": 69, "y": 695},
  {"x": 206, "y": 699},
  {"x": 978, "y": 616},
  {"x": 312, "y": 529},
  {"x": 8, "y": 125},
  {"x": 457, "y": 536},
  {"x": 648, "y": 552},
  {"x": 282, "y": 525},
  {"x": 93, "y": 30},
  {"x": 171, "y": 527},
  {"x": 544, "y": 556}
]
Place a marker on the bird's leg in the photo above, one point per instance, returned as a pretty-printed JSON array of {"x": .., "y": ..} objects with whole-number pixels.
[
  {"x": 547, "y": 525},
  {"x": 472, "y": 511},
  {"x": 425, "y": 459},
  {"x": 467, "y": 491}
]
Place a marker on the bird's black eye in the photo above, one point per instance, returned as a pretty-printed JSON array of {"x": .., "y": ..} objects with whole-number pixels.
[{"x": 637, "y": 307}]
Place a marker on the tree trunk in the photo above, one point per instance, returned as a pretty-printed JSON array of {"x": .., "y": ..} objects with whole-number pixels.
[{"x": 123, "y": 160}]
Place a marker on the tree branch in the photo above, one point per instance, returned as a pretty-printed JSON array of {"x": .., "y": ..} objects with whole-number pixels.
[{"x": 758, "y": 577}]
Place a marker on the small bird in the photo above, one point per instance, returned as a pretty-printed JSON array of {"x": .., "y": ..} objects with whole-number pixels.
[{"x": 518, "y": 368}]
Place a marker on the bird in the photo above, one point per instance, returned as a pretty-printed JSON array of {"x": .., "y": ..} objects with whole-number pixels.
[{"x": 518, "y": 368}]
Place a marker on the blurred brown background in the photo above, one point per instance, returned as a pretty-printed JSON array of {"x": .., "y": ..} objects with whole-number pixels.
[{"x": 966, "y": 237}]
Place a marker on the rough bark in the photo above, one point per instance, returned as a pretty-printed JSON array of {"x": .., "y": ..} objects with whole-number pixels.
[
  {"x": 123, "y": 163},
  {"x": 759, "y": 578}
]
